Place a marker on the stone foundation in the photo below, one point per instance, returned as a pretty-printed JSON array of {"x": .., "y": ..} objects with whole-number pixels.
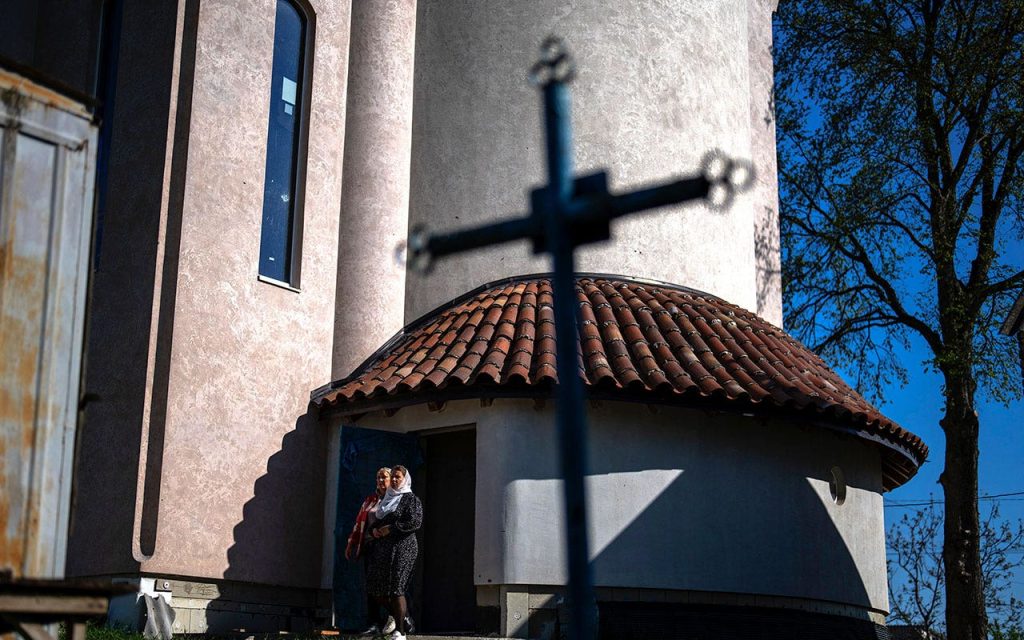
[
  {"x": 539, "y": 612},
  {"x": 224, "y": 606}
]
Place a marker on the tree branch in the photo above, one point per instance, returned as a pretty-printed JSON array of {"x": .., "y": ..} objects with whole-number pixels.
[
  {"x": 992, "y": 207},
  {"x": 861, "y": 257},
  {"x": 1016, "y": 281}
]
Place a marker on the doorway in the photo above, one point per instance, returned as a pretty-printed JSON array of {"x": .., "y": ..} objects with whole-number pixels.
[{"x": 447, "y": 596}]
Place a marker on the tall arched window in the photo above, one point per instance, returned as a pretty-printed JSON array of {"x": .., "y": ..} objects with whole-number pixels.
[{"x": 284, "y": 180}]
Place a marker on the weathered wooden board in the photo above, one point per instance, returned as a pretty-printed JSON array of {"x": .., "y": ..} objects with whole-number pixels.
[{"x": 47, "y": 164}]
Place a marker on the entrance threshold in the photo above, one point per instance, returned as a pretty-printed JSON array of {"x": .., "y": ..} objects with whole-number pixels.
[{"x": 423, "y": 637}]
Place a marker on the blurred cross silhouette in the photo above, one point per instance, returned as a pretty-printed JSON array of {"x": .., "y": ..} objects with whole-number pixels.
[{"x": 564, "y": 214}]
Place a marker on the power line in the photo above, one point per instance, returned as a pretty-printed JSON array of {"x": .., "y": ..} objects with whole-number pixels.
[
  {"x": 939, "y": 502},
  {"x": 917, "y": 502},
  {"x": 1001, "y": 495},
  {"x": 984, "y": 496},
  {"x": 934, "y": 549}
]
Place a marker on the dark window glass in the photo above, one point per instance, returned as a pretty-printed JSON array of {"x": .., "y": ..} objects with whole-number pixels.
[{"x": 286, "y": 112}]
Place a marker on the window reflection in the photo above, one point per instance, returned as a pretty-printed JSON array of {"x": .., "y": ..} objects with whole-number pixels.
[{"x": 286, "y": 112}]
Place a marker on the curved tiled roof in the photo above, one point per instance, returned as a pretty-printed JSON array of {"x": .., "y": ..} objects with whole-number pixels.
[{"x": 654, "y": 342}]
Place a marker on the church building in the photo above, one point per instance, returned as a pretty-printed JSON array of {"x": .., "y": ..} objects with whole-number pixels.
[{"x": 256, "y": 346}]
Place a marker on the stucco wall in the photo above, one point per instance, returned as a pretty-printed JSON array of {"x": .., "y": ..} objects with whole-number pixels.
[
  {"x": 660, "y": 83},
  {"x": 127, "y": 277},
  {"x": 683, "y": 500},
  {"x": 375, "y": 194},
  {"x": 765, "y": 195},
  {"x": 241, "y": 463},
  {"x": 678, "y": 500}
]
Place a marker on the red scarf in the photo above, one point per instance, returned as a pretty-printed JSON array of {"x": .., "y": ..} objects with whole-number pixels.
[{"x": 355, "y": 539}]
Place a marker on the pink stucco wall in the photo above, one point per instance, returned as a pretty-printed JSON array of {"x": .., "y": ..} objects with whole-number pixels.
[{"x": 241, "y": 465}]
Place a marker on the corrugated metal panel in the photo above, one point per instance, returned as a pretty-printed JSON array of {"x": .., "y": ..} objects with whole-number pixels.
[{"x": 47, "y": 163}]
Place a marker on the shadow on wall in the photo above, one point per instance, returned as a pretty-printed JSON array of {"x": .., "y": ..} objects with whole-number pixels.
[
  {"x": 734, "y": 508},
  {"x": 793, "y": 550},
  {"x": 126, "y": 276},
  {"x": 278, "y": 543},
  {"x": 734, "y": 524},
  {"x": 127, "y": 279},
  {"x": 769, "y": 271}
]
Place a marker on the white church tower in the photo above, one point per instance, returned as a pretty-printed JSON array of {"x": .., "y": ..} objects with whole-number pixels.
[{"x": 439, "y": 102}]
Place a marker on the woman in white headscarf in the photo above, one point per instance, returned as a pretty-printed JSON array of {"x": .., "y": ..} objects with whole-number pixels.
[{"x": 393, "y": 553}]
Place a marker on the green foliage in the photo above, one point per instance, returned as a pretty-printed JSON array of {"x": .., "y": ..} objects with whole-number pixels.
[
  {"x": 1003, "y": 632},
  {"x": 901, "y": 133},
  {"x": 100, "y": 631}
]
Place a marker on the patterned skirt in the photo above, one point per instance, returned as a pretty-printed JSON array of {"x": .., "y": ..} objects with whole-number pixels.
[{"x": 389, "y": 564}]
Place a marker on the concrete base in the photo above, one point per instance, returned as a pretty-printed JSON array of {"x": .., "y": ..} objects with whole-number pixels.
[
  {"x": 539, "y": 611},
  {"x": 225, "y": 607},
  {"x": 429, "y": 637},
  {"x": 334, "y": 635}
]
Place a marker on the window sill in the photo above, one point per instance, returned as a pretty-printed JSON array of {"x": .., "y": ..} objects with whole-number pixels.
[{"x": 278, "y": 283}]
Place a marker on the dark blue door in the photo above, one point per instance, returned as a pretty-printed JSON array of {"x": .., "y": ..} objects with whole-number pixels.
[{"x": 363, "y": 452}]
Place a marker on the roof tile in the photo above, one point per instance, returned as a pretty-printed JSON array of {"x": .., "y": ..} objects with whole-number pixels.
[{"x": 661, "y": 341}]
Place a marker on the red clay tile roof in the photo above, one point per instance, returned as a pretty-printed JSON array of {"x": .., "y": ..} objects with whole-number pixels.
[{"x": 652, "y": 342}]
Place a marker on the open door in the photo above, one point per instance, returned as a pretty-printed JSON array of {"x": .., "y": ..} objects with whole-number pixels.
[
  {"x": 447, "y": 596},
  {"x": 363, "y": 451}
]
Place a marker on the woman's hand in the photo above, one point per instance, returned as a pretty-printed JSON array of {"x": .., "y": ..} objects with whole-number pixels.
[{"x": 381, "y": 532}]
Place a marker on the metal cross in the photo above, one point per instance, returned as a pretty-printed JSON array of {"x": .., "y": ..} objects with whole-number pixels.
[{"x": 564, "y": 214}]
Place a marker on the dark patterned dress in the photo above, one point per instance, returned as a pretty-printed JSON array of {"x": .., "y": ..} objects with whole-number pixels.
[{"x": 390, "y": 559}]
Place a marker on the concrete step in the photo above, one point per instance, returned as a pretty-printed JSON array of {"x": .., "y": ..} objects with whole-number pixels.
[
  {"x": 420, "y": 636},
  {"x": 333, "y": 635}
]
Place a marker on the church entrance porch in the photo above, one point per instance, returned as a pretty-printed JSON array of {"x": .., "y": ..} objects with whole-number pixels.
[{"x": 690, "y": 508}]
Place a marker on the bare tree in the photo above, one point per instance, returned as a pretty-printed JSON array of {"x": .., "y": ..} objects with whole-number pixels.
[
  {"x": 917, "y": 580},
  {"x": 901, "y": 137}
]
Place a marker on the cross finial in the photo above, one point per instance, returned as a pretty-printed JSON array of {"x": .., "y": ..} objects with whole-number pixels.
[{"x": 555, "y": 64}]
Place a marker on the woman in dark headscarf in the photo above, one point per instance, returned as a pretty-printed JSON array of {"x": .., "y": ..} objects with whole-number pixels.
[{"x": 394, "y": 549}]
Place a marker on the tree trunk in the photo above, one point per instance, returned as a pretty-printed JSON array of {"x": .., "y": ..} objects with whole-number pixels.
[{"x": 965, "y": 603}]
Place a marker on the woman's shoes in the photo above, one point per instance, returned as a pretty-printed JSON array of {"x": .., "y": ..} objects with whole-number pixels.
[
  {"x": 389, "y": 627},
  {"x": 398, "y": 635}
]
